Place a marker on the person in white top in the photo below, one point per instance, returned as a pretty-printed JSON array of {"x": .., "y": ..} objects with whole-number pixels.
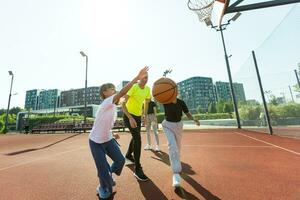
[{"x": 101, "y": 137}]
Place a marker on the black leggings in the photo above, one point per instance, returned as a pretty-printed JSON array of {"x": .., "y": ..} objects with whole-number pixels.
[{"x": 135, "y": 143}]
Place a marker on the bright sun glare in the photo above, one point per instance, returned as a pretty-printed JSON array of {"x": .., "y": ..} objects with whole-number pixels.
[{"x": 104, "y": 27}]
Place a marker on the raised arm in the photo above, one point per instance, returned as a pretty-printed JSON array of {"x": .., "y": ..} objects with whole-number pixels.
[{"x": 124, "y": 90}]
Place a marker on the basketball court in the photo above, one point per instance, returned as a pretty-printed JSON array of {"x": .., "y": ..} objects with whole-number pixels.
[
  {"x": 230, "y": 164},
  {"x": 217, "y": 164}
]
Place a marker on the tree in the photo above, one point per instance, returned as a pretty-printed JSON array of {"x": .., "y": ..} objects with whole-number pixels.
[
  {"x": 200, "y": 109},
  {"x": 212, "y": 108},
  {"x": 2, "y": 111},
  {"x": 249, "y": 112},
  {"x": 228, "y": 108},
  {"x": 1, "y": 126},
  {"x": 15, "y": 110},
  {"x": 220, "y": 106},
  {"x": 273, "y": 100}
]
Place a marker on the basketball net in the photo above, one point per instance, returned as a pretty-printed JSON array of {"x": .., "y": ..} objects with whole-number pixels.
[{"x": 203, "y": 8}]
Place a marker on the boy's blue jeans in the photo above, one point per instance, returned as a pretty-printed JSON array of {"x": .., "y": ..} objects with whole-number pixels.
[{"x": 99, "y": 152}]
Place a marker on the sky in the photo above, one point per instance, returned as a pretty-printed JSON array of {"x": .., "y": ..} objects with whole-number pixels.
[{"x": 41, "y": 40}]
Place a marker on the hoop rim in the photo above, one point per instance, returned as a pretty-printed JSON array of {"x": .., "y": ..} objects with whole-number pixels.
[{"x": 205, "y": 7}]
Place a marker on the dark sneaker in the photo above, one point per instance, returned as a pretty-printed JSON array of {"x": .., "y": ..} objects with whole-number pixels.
[
  {"x": 129, "y": 159},
  {"x": 139, "y": 174}
]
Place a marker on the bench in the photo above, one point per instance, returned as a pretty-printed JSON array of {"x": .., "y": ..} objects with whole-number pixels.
[{"x": 72, "y": 127}]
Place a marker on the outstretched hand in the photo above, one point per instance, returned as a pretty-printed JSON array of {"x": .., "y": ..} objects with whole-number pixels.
[{"x": 143, "y": 73}]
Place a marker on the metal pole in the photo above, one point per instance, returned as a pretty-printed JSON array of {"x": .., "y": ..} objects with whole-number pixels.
[
  {"x": 230, "y": 82},
  {"x": 9, "y": 97},
  {"x": 297, "y": 78},
  {"x": 85, "y": 89},
  {"x": 262, "y": 94},
  {"x": 291, "y": 94}
]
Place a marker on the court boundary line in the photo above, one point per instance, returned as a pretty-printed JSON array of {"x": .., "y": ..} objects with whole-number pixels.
[
  {"x": 37, "y": 159},
  {"x": 279, "y": 147},
  {"x": 224, "y": 146}
]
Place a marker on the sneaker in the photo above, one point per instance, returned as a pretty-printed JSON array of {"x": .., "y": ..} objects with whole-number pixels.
[
  {"x": 176, "y": 180},
  {"x": 157, "y": 148},
  {"x": 129, "y": 159},
  {"x": 139, "y": 174},
  {"x": 103, "y": 194},
  {"x": 147, "y": 147}
]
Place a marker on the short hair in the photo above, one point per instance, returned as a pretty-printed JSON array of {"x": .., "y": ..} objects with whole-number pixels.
[{"x": 104, "y": 87}]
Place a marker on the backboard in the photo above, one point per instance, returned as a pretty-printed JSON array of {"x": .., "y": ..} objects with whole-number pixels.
[
  {"x": 218, "y": 12},
  {"x": 223, "y": 7}
]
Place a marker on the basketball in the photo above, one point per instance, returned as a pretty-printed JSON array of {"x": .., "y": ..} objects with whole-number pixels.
[{"x": 164, "y": 90}]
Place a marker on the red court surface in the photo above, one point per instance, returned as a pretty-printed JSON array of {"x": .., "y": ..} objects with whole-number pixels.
[{"x": 217, "y": 164}]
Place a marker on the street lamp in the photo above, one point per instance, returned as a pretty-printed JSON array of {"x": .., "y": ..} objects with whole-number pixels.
[
  {"x": 7, "y": 111},
  {"x": 85, "y": 88}
]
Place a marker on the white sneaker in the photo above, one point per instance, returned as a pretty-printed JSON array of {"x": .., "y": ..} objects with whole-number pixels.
[
  {"x": 157, "y": 148},
  {"x": 147, "y": 147},
  {"x": 176, "y": 180}
]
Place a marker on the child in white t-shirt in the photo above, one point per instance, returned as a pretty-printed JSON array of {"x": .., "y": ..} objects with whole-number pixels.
[{"x": 101, "y": 137}]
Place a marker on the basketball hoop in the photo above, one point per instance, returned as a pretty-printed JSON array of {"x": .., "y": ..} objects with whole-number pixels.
[{"x": 203, "y": 8}]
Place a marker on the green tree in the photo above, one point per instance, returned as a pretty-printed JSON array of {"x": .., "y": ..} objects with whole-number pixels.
[
  {"x": 1, "y": 126},
  {"x": 288, "y": 110},
  {"x": 11, "y": 120},
  {"x": 200, "y": 109},
  {"x": 249, "y": 112},
  {"x": 2, "y": 111},
  {"x": 212, "y": 108},
  {"x": 220, "y": 106},
  {"x": 15, "y": 110},
  {"x": 273, "y": 100},
  {"x": 228, "y": 107}
]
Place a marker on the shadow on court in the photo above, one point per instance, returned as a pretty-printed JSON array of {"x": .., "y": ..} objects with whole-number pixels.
[
  {"x": 186, "y": 171},
  {"x": 35, "y": 149},
  {"x": 149, "y": 189}
]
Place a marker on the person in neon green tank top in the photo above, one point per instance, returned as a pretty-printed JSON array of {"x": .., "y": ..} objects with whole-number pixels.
[{"x": 136, "y": 97}]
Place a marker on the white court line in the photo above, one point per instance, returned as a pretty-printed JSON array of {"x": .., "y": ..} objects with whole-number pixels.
[
  {"x": 291, "y": 151},
  {"x": 31, "y": 161},
  {"x": 223, "y": 146}
]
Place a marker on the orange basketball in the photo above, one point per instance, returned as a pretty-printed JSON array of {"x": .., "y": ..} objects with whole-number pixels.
[{"x": 164, "y": 90}]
